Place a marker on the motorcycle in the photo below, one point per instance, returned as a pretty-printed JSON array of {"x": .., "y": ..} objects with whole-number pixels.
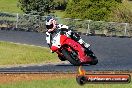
[{"x": 67, "y": 47}]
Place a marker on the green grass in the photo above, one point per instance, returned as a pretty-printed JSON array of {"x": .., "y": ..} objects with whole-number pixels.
[
  {"x": 12, "y": 54},
  {"x": 60, "y": 83},
  {"x": 9, "y": 6}
]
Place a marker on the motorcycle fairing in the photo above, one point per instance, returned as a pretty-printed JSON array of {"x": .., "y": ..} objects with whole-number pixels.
[{"x": 80, "y": 50}]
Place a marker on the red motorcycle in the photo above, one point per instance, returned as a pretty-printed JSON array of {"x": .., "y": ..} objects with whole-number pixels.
[{"x": 68, "y": 48}]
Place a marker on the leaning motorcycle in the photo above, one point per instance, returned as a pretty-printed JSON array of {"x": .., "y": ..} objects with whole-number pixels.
[{"x": 68, "y": 48}]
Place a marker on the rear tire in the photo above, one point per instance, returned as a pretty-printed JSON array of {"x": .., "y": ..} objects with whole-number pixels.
[
  {"x": 73, "y": 60},
  {"x": 61, "y": 58}
]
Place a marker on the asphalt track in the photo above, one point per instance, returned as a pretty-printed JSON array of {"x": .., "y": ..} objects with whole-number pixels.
[{"x": 113, "y": 53}]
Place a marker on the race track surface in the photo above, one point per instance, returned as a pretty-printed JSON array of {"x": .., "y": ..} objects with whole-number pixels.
[{"x": 113, "y": 53}]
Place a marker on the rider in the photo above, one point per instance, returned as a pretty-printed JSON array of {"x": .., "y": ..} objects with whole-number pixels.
[{"x": 52, "y": 26}]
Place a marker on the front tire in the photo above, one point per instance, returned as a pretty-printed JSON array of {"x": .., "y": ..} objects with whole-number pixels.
[
  {"x": 92, "y": 55},
  {"x": 71, "y": 58},
  {"x": 94, "y": 61}
]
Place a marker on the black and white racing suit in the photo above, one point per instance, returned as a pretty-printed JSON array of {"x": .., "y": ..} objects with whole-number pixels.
[{"x": 70, "y": 34}]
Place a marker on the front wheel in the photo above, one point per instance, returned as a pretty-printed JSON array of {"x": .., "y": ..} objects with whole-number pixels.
[
  {"x": 71, "y": 57},
  {"x": 94, "y": 61},
  {"x": 92, "y": 55}
]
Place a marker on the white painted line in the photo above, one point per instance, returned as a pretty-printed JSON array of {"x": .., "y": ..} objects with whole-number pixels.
[
  {"x": 29, "y": 65},
  {"x": 25, "y": 44}
]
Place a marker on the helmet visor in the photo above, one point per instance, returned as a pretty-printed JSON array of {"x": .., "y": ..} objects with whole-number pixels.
[{"x": 49, "y": 26}]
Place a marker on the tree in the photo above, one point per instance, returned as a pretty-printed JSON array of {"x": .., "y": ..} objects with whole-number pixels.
[
  {"x": 123, "y": 13},
  {"x": 90, "y": 9},
  {"x": 60, "y": 4},
  {"x": 36, "y": 7}
]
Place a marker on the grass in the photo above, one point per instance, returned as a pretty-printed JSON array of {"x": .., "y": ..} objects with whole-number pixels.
[
  {"x": 12, "y": 54},
  {"x": 9, "y": 6},
  {"x": 60, "y": 83}
]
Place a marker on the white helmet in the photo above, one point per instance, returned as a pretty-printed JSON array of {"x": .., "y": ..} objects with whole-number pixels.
[{"x": 49, "y": 24}]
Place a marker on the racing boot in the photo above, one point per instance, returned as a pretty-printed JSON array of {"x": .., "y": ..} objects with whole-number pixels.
[{"x": 77, "y": 38}]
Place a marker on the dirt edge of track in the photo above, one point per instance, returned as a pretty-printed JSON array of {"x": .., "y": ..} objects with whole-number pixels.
[{"x": 6, "y": 78}]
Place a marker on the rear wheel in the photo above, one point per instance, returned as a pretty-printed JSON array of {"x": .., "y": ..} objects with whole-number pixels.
[
  {"x": 71, "y": 57},
  {"x": 61, "y": 58}
]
